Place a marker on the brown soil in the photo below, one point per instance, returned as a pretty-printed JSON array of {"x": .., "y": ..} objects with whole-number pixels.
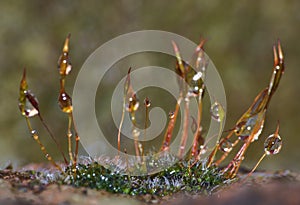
[{"x": 261, "y": 189}]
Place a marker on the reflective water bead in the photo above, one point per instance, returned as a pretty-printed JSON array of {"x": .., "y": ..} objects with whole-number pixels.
[
  {"x": 217, "y": 111},
  {"x": 203, "y": 149},
  {"x": 250, "y": 126},
  {"x": 273, "y": 144},
  {"x": 171, "y": 115},
  {"x": 64, "y": 63},
  {"x": 34, "y": 134},
  {"x": 65, "y": 102},
  {"x": 147, "y": 102},
  {"x": 226, "y": 146},
  {"x": 133, "y": 103},
  {"x": 136, "y": 133}
]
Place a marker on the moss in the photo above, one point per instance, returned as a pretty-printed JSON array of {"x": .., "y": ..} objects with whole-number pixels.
[{"x": 179, "y": 177}]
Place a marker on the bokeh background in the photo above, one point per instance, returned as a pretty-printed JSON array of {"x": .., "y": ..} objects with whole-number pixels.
[{"x": 240, "y": 34}]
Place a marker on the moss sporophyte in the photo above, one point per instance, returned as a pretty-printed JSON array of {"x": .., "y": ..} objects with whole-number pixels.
[{"x": 190, "y": 172}]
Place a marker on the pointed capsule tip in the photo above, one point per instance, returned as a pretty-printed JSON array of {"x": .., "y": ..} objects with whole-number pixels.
[
  {"x": 280, "y": 53},
  {"x": 175, "y": 47},
  {"x": 66, "y": 44},
  {"x": 129, "y": 70},
  {"x": 275, "y": 56},
  {"x": 23, "y": 82},
  {"x": 201, "y": 44}
]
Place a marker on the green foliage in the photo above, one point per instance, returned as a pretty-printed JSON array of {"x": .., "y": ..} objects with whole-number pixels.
[{"x": 179, "y": 177}]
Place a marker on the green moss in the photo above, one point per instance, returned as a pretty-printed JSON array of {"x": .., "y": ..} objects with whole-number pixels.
[{"x": 179, "y": 177}]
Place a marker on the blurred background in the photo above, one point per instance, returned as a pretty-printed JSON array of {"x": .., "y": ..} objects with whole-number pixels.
[{"x": 240, "y": 38}]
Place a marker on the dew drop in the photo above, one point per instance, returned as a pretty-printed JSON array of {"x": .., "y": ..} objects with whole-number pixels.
[
  {"x": 250, "y": 126},
  {"x": 65, "y": 102},
  {"x": 171, "y": 115},
  {"x": 226, "y": 146},
  {"x": 195, "y": 82},
  {"x": 147, "y": 102},
  {"x": 29, "y": 106},
  {"x": 136, "y": 133},
  {"x": 34, "y": 134},
  {"x": 64, "y": 64},
  {"x": 217, "y": 111},
  {"x": 133, "y": 104},
  {"x": 203, "y": 149},
  {"x": 273, "y": 144},
  {"x": 31, "y": 112},
  {"x": 194, "y": 125}
]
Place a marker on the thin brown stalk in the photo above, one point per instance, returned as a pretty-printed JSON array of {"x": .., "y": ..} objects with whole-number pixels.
[
  {"x": 169, "y": 132},
  {"x": 185, "y": 129},
  {"x": 53, "y": 138},
  {"x": 42, "y": 147}
]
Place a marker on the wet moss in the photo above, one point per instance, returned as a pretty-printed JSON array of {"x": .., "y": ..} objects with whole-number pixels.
[{"x": 179, "y": 177}]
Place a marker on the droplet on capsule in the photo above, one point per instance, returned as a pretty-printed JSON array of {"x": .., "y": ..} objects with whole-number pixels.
[
  {"x": 217, "y": 111},
  {"x": 133, "y": 103},
  {"x": 64, "y": 64},
  {"x": 226, "y": 146},
  {"x": 147, "y": 102},
  {"x": 65, "y": 102},
  {"x": 171, "y": 115},
  {"x": 273, "y": 144},
  {"x": 203, "y": 149}
]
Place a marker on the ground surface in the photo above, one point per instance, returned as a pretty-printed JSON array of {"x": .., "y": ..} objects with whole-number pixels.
[{"x": 262, "y": 188}]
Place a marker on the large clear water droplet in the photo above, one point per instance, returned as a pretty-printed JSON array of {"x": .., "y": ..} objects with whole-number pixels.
[
  {"x": 29, "y": 108},
  {"x": 250, "y": 126},
  {"x": 217, "y": 112},
  {"x": 273, "y": 144},
  {"x": 196, "y": 85}
]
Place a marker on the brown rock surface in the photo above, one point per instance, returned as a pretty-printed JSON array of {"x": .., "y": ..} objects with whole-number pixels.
[{"x": 261, "y": 189}]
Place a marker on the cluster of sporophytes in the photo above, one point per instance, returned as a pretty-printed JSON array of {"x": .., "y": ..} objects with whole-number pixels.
[{"x": 190, "y": 172}]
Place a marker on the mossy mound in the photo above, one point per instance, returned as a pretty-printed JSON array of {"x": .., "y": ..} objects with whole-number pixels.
[{"x": 179, "y": 177}]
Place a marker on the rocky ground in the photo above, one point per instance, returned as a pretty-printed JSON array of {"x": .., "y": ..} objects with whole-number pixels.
[{"x": 262, "y": 188}]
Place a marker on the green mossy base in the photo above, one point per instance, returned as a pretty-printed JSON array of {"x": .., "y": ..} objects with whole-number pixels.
[{"x": 179, "y": 177}]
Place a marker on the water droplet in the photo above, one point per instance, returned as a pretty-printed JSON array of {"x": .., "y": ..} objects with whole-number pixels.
[
  {"x": 171, "y": 115},
  {"x": 34, "y": 134},
  {"x": 147, "y": 102},
  {"x": 64, "y": 63},
  {"x": 203, "y": 149},
  {"x": 133, "y": 104},
  {"x": 65, "y": 102},
  {"x": 136, "y": 133},
  {"x": 226, "y": 146},
  {"x": 250, "y": 126},
  {"x": 217, "y": 112},
  {"x": 197, "y": 76},
  {"x": 194, "y": 125},
  {"x": 196, "y": 84},
  {"x": 28, "y": 104},
  {"x": 273, "y": 144}
]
